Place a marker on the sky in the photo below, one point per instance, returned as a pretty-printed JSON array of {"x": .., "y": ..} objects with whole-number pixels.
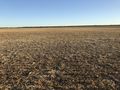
[{"x": 58, "y": 12}]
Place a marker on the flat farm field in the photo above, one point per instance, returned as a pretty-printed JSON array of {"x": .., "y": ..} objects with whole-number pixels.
[{"x": 70, "y": 58}]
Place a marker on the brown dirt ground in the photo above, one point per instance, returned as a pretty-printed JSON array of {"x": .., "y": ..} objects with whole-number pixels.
[{"x": 60, "y": 58}]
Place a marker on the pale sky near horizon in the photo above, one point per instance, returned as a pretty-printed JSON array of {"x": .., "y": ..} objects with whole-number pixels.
[{"x": 59, "y": 12}]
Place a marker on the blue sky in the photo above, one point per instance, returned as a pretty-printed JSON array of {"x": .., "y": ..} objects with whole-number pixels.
[{"x": 59, "y": 12}]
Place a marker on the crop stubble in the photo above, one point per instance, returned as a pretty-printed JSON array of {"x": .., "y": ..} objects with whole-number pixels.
[{"x": 60, "y": 58}]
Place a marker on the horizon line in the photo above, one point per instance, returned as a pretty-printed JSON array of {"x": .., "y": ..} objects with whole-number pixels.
[{"x": 55, "y": 26}]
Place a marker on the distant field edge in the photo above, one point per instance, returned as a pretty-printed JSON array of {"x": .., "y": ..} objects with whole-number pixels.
[{"x": 77, "y": 26}]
